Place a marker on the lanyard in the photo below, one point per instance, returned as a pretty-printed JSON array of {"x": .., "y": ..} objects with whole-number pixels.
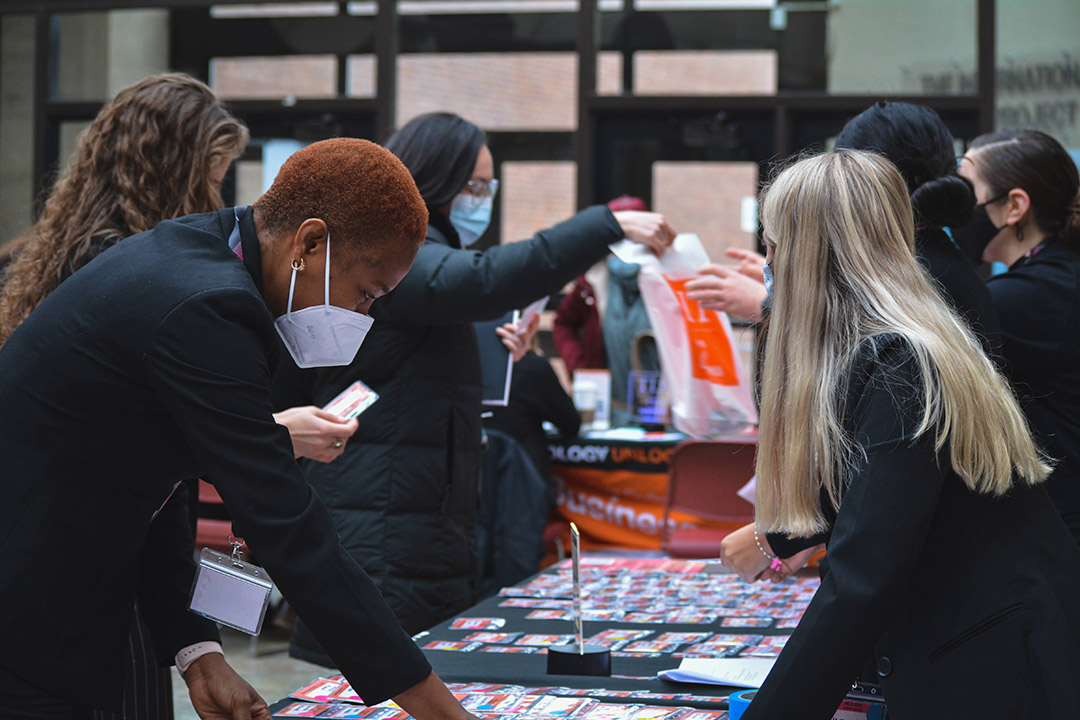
[{"x": 234, "y": 237}]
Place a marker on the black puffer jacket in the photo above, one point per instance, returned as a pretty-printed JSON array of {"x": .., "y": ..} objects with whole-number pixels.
[{"x": 404, "y": 494}]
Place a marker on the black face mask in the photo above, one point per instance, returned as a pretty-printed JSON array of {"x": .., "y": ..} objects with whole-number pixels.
[{"x": 975, "y": 237}]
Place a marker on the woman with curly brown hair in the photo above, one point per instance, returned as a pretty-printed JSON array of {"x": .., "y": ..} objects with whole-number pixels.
[{"x": 158, "y": 150}]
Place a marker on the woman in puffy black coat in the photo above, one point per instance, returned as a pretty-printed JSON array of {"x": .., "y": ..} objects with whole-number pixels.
[{"x": 404, "y": 494}]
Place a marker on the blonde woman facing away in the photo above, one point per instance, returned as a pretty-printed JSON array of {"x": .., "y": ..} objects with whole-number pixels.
[{"x": 884, "y": 425}]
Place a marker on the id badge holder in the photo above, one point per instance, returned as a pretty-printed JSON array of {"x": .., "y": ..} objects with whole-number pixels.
[{"x": 230, "y": 591}]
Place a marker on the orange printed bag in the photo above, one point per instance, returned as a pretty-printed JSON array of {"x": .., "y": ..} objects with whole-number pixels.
[{"x": 709, "y": 390}]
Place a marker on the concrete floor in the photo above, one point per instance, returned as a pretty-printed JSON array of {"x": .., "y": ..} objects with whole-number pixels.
[{"x": 269, "y": 668}]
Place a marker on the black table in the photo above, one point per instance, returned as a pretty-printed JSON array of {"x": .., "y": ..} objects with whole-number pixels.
[
  {"x": 628, "y": 673},
  {"x": 684, "y": 596}
]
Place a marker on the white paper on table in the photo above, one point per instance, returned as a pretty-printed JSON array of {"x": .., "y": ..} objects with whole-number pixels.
[{"x": 739, "y": 672}]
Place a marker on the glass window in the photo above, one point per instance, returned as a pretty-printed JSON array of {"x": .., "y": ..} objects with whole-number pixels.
[
  {"x": 298, "y": 76},
  {"x": 262, "y": 10},
  {"x": 505, "y": 91},
  {"x": 70, "y": 130},
  {"x": 920, "y": 47},
  {"x": 736, "y": 72},
  {"x": 361, "y": 76},
  {"x": 691, "y": 72},
  {"x": 609, "y": 73},
  {"x": 365, "y": 7},
  {"x": 715, "y": 200},
  {"x": 249, "y": 181},
  {"x": 100, "y": 53},
  {"x": 534, "y": 196},
  {"x": 17, "y": 131},
  {"x": 1038, "y": 68}
]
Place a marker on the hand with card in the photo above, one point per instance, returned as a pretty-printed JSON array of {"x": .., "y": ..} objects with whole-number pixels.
[
  {"x": 518, "y": 337},
  {"x": 316, "y": 433}
]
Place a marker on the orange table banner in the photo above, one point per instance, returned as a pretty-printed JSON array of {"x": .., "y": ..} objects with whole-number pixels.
[{"x": 616, "y": 490}]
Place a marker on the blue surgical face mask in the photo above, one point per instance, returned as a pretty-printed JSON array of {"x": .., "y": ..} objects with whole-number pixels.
[
  {"x": 766, "y": 270},
  {"x": 470, "y": 216}
]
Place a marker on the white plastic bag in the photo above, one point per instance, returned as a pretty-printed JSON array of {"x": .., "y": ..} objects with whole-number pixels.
[{"x": 709, "y": 389}]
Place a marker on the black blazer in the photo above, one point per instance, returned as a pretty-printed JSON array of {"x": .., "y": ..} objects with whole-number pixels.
[
  {"x": 1039, "y": 304},
  {"x": 959, "y": 285},
  {"x": 969, "y": 603},
  {"x": 151, "y": 365}
]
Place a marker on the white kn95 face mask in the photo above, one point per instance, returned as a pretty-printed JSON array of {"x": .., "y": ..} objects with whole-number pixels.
[{"x": 322, "y": 335}]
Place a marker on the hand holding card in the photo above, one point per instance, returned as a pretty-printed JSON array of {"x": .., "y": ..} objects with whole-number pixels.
[
  {"x": 530, "y": 316},
  {"x": 316, "y": 433}
]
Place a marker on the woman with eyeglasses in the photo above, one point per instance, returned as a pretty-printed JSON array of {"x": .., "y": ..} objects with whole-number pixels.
[
  {"x": 1028, "y": 218},
  {"x": 404, "y": 494}
]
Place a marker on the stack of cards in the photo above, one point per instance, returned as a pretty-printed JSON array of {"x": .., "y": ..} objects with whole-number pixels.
[{"x": 324, "y": 698}]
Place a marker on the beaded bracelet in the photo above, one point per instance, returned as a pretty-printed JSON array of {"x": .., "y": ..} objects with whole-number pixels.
[{"x": 775, "y": 563}]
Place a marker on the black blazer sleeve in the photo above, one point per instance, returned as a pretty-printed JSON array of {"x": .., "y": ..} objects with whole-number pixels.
[
  {"x": 785, "y": 546},
  {"x": 166, "y": 572},
  {"x": 216, "y": 389},
  {"x": 882, "y": 524},
  {"x": 451, "y": 286}
]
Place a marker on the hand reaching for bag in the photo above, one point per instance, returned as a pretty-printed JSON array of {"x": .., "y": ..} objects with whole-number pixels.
[
  {"x": 750, "y": 263},
  {"x": 646, "y": 228},
  {"x": 725, "y": 290}
]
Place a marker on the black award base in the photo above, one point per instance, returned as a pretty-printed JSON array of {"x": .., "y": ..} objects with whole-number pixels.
[{"x": 568, "y": 660}]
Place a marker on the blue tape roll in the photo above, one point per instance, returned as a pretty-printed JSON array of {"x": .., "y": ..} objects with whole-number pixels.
[{"x": 738, "y": 702}]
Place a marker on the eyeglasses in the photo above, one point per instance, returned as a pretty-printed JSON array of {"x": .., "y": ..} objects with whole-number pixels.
[{"x": 481, "y": 189}]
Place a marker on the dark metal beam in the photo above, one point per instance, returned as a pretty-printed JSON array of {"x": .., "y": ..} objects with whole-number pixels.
[
  {"x": 781, "y": 132},
  {"x": 42, "y": 128},
  {"x": 987, "y": 49},
  {"x": 85, "y": 110},
  {"x": 387, "y": 43},
  {"x": 302, "y": 107},
  {"x": 588, "y": 29},
  {"x": 343, "y": 59},
  {"x": 28, "y": 6},
  {"x": 790, "y": 100}
]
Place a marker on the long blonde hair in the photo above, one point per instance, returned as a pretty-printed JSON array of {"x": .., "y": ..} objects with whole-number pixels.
[
  {"x": 146, "y": 158},
  {"x": 841, "y": 232}
]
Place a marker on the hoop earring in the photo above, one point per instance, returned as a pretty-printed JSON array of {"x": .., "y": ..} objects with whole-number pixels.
[
  {"x": 1019, "y": 233},
  {"x": 297, "y": 264}
]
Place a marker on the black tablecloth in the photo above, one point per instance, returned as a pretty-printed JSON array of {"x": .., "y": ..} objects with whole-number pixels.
[
  {"x": 637, "y": 673},
  {"x": 628, "y": 673}
]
